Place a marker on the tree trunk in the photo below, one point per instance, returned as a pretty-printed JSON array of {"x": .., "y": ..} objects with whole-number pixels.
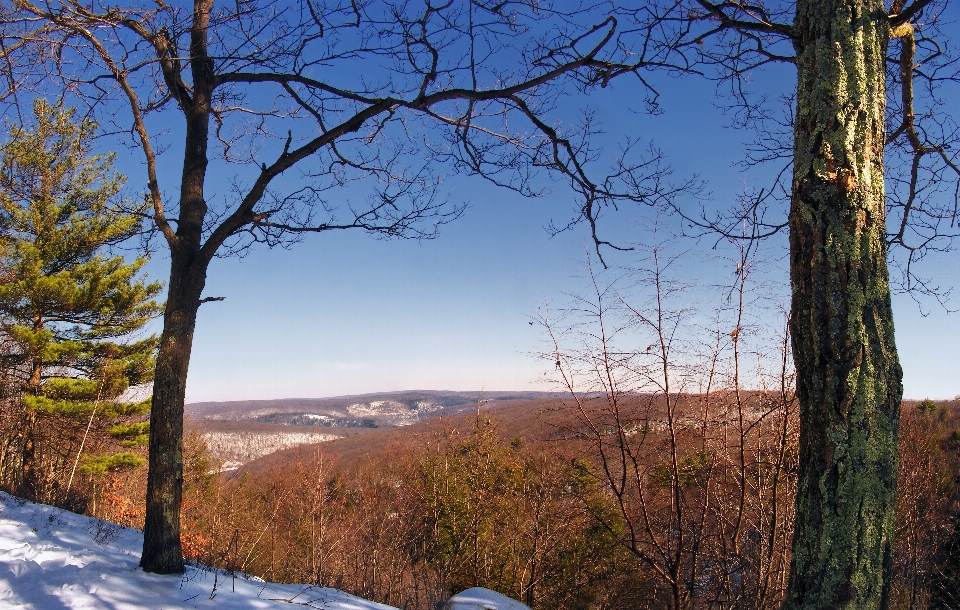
[
  {"x": 848, "y": 374},
  {"x": 29, "y": 486},
  {"x": 162, "y": 552}
]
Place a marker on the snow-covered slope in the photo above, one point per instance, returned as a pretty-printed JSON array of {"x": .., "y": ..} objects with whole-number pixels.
[
  {"x": 238, "y": 448},
  {"x": 55, "y": 560}
]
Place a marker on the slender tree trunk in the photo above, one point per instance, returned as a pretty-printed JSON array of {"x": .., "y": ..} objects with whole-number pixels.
[
  {"x": 162, "y": 552},
  {"x": 848, "y": 374},
  {"x": 29, "y": 485}
]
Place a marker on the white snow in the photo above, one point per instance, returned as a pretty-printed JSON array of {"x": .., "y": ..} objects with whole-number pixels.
[
  {"x": 392, "y": 411},
  {"x": 239, "y": 448},
  {"x": 479, "y": 598},
  {"x": 51, "y": 559}
]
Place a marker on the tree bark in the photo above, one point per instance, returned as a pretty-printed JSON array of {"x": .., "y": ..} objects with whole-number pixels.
[
  {"x": 162, "y": 552},
  {"x": 848, "y": 374}
]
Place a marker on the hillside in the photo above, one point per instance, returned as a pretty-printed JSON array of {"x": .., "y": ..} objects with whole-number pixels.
[
  {"x": 51, "y": 559},
  {"x": 552, "y": 421},
  {"x": 534, "y": 420},
  {"x": 238, "y": 432}
]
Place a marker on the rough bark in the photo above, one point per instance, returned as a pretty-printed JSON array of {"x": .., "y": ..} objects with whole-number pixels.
[
  {"x": 162, "y": 552},
  {"x": 848, "y": 374}
]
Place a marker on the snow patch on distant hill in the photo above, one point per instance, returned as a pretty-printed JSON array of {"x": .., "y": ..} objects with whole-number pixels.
[
  {"x": 392, "y": 411},
  {"x": 236, "y": 448}
]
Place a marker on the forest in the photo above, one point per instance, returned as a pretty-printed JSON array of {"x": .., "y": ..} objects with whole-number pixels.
[{"x": 516, "y": 499}]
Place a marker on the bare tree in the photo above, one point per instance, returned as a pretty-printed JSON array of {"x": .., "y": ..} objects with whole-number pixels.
[
  {"x": 696, "y": 466},
  {"x": 383, "y": 91}
]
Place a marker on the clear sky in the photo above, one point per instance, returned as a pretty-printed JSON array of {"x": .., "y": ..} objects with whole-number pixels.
[{"x": 347, "y": 314}]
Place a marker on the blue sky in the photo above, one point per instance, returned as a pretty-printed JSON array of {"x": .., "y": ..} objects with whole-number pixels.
[
  {"x": 347, "y": 314},
  {"x": 344, "y": 313}
]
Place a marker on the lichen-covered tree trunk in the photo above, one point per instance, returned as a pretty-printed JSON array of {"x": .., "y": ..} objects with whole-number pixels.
[{"x": 848, "y": 373}]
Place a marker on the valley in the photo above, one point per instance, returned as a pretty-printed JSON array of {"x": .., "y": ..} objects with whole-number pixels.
[{"x": 238, "y": 432}]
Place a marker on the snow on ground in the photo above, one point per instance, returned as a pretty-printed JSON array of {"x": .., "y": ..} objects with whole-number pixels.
[
  {"x": 51, "y": 559},
  {"x": 479, "y": 598}
]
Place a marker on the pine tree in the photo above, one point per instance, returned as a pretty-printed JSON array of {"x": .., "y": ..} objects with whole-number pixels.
[{"x": 72, "y": 314}]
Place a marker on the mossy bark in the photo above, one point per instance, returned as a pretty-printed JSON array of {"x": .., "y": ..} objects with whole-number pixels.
[{"x": 848, "y": 374}]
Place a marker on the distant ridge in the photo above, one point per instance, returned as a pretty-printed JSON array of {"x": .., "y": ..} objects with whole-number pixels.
[
  {"x": 374, "y": 410},
  {"x": 462, "y": 396}
]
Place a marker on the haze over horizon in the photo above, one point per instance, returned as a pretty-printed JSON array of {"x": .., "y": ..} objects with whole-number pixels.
[{"x": 494, "y": 394}]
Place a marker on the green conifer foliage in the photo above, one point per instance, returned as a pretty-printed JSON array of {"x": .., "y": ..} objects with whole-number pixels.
[{"x": 72, "y": 315}]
